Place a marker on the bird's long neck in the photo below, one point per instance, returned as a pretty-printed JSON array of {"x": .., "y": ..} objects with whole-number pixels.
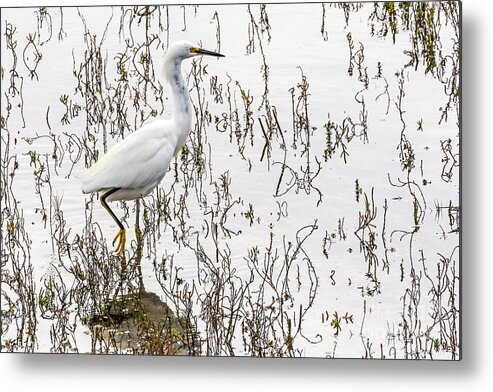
[{"x": 182, "y": 108}]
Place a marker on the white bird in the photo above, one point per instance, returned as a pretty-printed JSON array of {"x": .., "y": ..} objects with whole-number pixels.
[{"x": 135, "y": 166}]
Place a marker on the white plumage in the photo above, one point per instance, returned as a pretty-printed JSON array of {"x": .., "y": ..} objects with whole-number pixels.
[{"x": 136, "y": 165}]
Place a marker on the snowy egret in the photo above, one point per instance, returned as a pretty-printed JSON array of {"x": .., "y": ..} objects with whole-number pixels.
[{"x": 136, "y": 165}]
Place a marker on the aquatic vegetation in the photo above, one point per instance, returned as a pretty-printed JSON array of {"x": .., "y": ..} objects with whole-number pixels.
[{"x": 298, "y": 218}]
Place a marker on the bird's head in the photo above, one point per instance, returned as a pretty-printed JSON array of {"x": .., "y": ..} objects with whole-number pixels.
[{"x": 185, "y": 49}]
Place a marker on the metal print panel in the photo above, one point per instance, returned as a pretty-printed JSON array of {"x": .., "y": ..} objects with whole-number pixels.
[{"x": 268, "y": 180}]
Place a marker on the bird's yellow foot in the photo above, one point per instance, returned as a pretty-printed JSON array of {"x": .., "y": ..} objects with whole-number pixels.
[{"x": 121, "y": 237}]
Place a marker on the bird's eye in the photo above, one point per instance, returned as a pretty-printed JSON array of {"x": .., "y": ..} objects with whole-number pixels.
[{"x": 194, "y": 50}]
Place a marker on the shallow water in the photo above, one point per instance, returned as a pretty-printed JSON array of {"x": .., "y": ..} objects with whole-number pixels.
[{"x": 348, "y": 292}]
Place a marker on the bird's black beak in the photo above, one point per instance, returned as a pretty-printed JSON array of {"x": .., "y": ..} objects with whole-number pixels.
[{"x": 208, "y": 53}]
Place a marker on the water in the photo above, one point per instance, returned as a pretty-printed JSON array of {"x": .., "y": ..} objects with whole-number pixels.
[{"x": 313, "y": 211}]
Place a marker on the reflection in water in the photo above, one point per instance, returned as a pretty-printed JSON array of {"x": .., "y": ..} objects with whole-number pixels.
[
  {"x": 314, "y": 210},
  {"x": 140, "y": 323}
]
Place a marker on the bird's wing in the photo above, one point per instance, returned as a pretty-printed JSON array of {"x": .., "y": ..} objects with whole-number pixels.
[{"x": 139, "y": 160}]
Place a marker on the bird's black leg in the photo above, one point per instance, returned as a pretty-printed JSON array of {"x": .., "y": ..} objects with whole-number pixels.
[
  {"x": 138, "y": 253},
  {"x": 121, "y": 236},
  {"x": 138, "y": 233}
]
